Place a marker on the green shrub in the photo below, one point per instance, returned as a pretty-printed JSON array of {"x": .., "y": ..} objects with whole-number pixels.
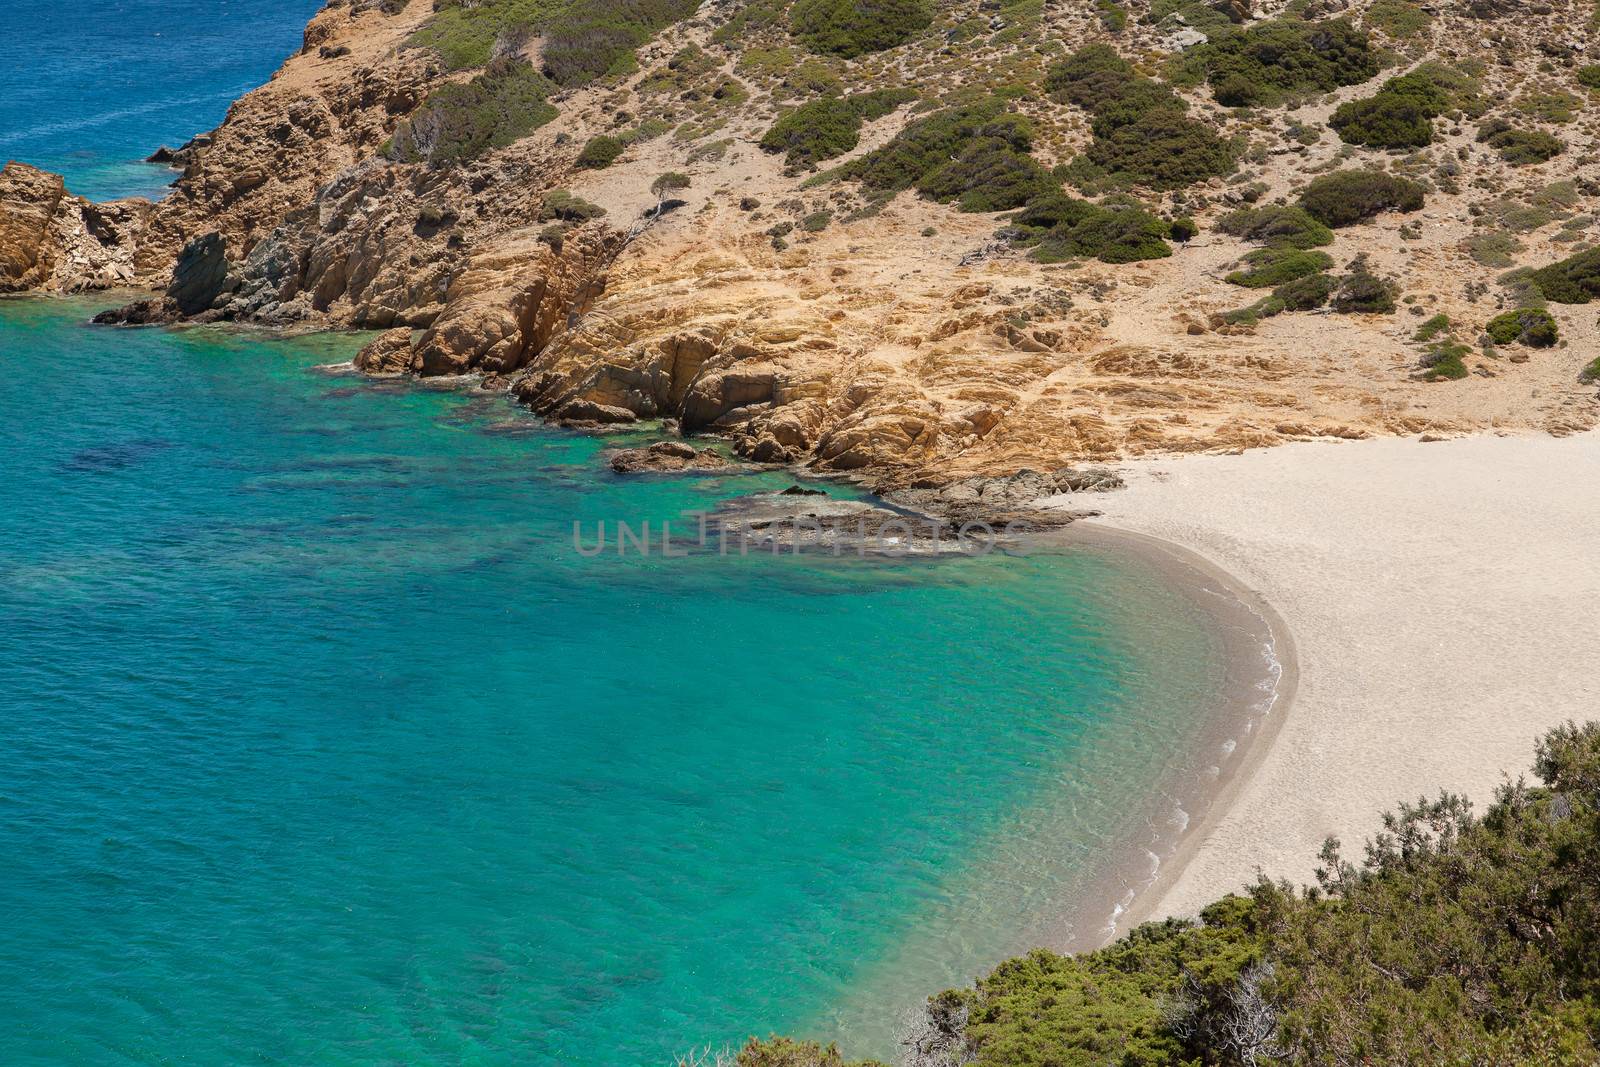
[
  {"x": 1291, "y": 226},
  {"x": 1184, "y": 229},
  {"x": 1061, "y": 228},
  {"x": 1591, "y": 373},
  {"x": 975, "y": 154},
  {"x": 1305, "y": 294},
  {"x": 1400, "y": 19},
  {"x": 600, "y": 152},
  {"x": 590, "y": 40},
  {"x": 462, "y": 120},
  {"x": 1346, "y": 197},
  {"x": 1458, "y": 938},
  {"x": 1533, "y": 327},
  {"x": 1574, "y": 280},
  {"x": 464, "y": 34},
  {"x": 829, "y": 127},
  {"x": 814, "y": 131},
  {"x": 1265, "y": 64},
  {"x": 1277, "y": 264},
  {"x": 1493, "y": 249},
  {"x": 1141, "y": 134},
  {"x": 1445, "y": 361},
  {"x": 817, "y": 221},
  {"x": 851, "y": 28},
  {"x": 1558, "y": 107},
  {"x": 1520, "y": 148},
  {"x": 1401, "y": 113},
  {"x": 1589, "y": 76},
  {"x": 1163, "y": 150},
  {"x": 560, "y": 204},
  {"x": 1363, "y": 292},
  {"x": 1112, "y": 17},
  {"x": 1435, "y": 326}
]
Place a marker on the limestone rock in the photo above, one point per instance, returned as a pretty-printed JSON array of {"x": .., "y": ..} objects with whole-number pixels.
[
  {"x": 389, "y": 353},
  {"x": 28, "y": 202}
]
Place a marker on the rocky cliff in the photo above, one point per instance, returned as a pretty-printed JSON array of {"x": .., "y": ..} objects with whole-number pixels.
[{"x": 662, "y": 237}]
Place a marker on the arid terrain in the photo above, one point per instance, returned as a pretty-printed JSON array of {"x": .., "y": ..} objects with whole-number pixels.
[{"x": 817, "y": 323}]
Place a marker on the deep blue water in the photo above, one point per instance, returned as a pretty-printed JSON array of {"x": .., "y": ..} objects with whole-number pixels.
[
  {"x": 319, "y": 744},
  {"x": 89, "y": 88}
]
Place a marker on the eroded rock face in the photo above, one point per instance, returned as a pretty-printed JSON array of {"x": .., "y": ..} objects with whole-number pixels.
[
  {"x": 52, "y": 240},
  {"x": 389, "y": 353},
  {"x": 200, "y": 275},
  {"x": 666, "y": 456},
  {"x": 28, "y": 202}
]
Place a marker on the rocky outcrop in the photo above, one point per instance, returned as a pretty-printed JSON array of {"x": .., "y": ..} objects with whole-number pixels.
[
  {"x": 52, "y": 240},
  {"x": 200, "y": 276},
  {"x": 666, "y": 456}
]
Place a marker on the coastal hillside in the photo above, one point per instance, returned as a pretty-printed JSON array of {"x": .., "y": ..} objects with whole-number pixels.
[
  {"x": 1458, "y": 938},
  {"x": 915, "y": 240}
]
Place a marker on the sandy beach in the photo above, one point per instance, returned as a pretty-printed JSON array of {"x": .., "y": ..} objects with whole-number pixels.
[{"x": 1444, "y": 602}]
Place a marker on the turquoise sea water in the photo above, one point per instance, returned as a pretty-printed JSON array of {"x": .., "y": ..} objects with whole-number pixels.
[{"x": 320, "y": 744}]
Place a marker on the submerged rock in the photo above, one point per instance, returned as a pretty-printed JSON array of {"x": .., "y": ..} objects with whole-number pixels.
[{"x": 666, "y": 456}]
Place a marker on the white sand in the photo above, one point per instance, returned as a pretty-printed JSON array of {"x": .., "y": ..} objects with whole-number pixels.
[{"x": 1445, "y": 602}]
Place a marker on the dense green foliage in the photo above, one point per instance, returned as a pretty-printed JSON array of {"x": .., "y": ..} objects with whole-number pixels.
[
  {"x": 1458, "y": 939},
  {"x": 829, "y": 127},
  {"x": 1060, "y": 228},
  {"x": 464, "y": 32},
  {"x": 1591, "y": 373},
  {"x": 1270, "y": 61},
  {"x": 1292, "y": 226},
  {"x": 600, "y": 152},
  {"x": 1142, "y": 134},
  {"x": 1347, "y": 197},
  {"x": 465, "y": 119},
  {"x": 851, "y": 28},
  {"x": 1445, "y": 361},
  {"x": 583, "y": 40},
  {"x": 1533, "y": 327},
  {"x": 1518, "y": 147},
  {"x": 1574, "y": 280},
  {"x": 975, "y": 154},
  {"x": 1589, "y": 76},
  {"x": 786, "y": 1052},
  {"x": 1272, "y": 266},
  {"x": 1401, "y": 113},
  {"x": 1439, "y": 324},
  {"x": 1301, "y": 294}
]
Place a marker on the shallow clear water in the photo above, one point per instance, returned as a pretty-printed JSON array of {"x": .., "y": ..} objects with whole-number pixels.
[{"x": 320, "y": 744}]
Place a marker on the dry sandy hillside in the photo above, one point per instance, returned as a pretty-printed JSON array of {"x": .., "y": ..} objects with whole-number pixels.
[{"x": 817, "y": 319}]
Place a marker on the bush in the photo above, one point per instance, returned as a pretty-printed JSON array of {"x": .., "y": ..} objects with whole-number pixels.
[
  {"x": 1432, "y": 328},
  {"x": 1591, "y": 373},
  {"x": 1141, "y": 133},
  {"x": 1163, "y": 150},
  {"x": 1184, "y": 229},
  {"x": 975, "y": 154},
  {"x": 1458, "y": 938},
  {"x": 823, "y": 129},
  {"x": 1445, "y": 361},
  {"x": 851, "y": 28},
  {"x": 1263, "y": 65},
  {"x": 1305, "y": 294},
  {"x": 464, "y": 34},
  {"x": 1275, "y": 265},
  {"x": 590, "y": 40},
  {"x": 1520, "y": 148},
  {"x": 1589, "y": 76},
  {"x": 1346, "y": 197},
  {"x": 1574, "y": 280},
  {"x": 462, "y": 120},
  {"x": 600, "y": 152},
  {"x": 1401, "y": 113},
  {"x": 1061, "y": 228},
  {"x": 1400, "y": 19},
  {"x": 1291, "y": 226},
  {"x": 1363, "y": 292},
  {"x": 1533, "y": 327},
  {"x": 560, "y": 204}
]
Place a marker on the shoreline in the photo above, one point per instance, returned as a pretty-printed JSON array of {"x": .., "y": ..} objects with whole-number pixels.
[
  {"x": 1261, "y": 674},
  {"x": 1440, "y": 598}
]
